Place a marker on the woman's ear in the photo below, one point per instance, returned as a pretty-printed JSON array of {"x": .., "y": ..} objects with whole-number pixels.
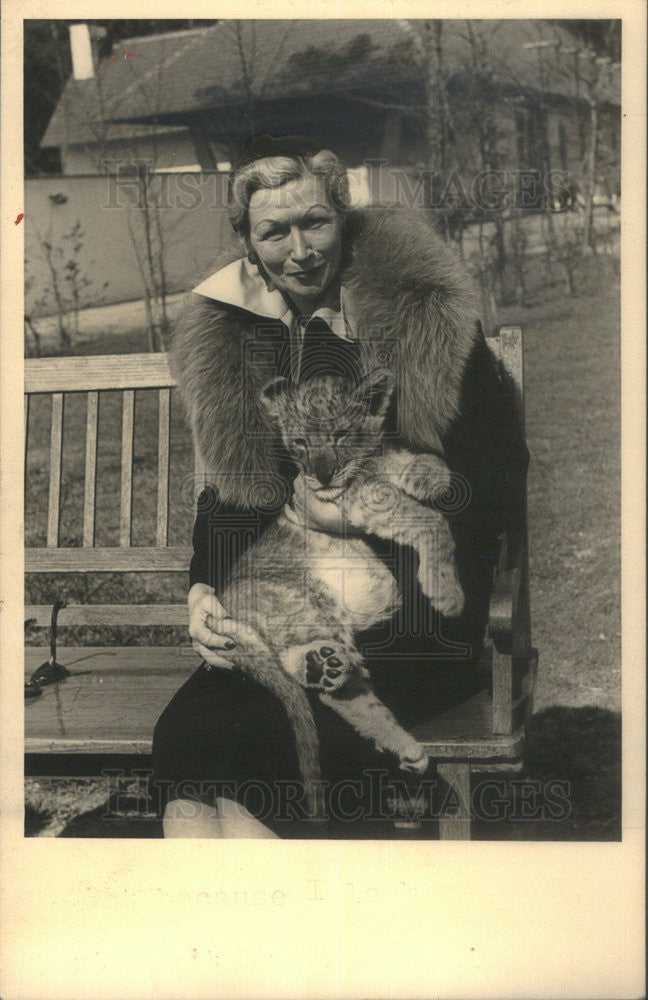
[
  {"x": 247, "y": 249},
  {"x": 375, "y": 389},
  {"x": 273, "y": 391},
  {"x": 253, "y": 258}
]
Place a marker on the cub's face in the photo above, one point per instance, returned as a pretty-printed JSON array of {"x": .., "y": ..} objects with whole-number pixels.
[{"x": 329, "y": 425}]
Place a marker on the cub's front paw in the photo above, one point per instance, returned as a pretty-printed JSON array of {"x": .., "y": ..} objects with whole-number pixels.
[
  {"x": 439, "y": 582},
  {"x": 427, "y": 478}
]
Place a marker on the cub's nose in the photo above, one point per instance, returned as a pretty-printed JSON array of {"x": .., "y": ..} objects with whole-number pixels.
[{"x": 323, "y": 471}]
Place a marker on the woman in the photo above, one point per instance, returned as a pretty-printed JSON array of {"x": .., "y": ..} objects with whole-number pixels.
[{"x": 322, "y": 288}]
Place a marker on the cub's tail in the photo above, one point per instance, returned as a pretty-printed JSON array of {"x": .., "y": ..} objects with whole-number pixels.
[{"x": 254, "y": 658}]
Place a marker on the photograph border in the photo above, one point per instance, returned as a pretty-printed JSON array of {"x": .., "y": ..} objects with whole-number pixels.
[{"x": 97, "y": 918}]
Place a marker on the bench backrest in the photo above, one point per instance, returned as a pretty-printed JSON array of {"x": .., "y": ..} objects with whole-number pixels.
[{"x": 91, "y": 377}]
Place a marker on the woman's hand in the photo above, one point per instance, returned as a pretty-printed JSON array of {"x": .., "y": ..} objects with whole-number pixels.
[
  {"x": 308, "y": 511},
  {"x": 209, "y": 626}
]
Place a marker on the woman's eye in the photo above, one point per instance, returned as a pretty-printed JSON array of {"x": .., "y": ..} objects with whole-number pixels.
[
  {"x": 299, "y": 442},
  {"x": 272, "y": 234},
  {"x": 316, "y": 222}
]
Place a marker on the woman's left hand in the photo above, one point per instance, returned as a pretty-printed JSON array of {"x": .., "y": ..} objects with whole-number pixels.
[{"x": 308, "y": 511}]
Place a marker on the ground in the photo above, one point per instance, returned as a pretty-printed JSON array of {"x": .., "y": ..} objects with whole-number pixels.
[{"x": 572, "y": 362}]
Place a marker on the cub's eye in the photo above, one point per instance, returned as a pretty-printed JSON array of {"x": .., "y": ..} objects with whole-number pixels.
[
  {"x": 300, "y": 442},
  {"x": 339, "y": 436}
]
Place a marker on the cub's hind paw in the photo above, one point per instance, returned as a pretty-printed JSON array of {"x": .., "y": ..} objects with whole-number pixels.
[
  {"x": 323, "y": 664},
  {"x": 311, "y": 663},
  {"x": 415, "y": 764},
  {"x": 327, "y": 667},
  {"x": 412, "y": 756}
]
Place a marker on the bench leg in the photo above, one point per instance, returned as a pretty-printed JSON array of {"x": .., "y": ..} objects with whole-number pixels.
[{"x": 456, "y": 826}]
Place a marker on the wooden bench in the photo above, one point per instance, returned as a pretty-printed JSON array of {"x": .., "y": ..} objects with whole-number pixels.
[{"x": 102, "y": 715}]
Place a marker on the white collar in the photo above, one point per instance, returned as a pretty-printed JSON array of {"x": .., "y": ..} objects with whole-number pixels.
[{"x": 240, "y": 284}]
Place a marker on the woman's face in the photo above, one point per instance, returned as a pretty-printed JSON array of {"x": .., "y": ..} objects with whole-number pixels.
[{"x": 297, "y": 236}]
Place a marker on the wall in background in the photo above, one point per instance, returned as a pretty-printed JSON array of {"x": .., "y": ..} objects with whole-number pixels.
[{"x": 193, "y": 220}]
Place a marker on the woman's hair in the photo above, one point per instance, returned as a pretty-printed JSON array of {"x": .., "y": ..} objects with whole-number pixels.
[{"x": 274, "y": 170}]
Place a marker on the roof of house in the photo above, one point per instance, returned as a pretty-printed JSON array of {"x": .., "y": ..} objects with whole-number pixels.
[{"x": 161, "y": 78}]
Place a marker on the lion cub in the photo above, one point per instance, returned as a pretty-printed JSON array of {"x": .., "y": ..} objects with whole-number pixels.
[{"x": 306, "y": 593}]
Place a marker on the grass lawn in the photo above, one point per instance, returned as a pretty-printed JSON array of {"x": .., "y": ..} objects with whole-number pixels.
[
  {"x": 572, "y": 368},
  {"x": 572, "y": 407}
]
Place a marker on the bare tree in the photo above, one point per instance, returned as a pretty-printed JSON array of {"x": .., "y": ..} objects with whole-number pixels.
[
  {"x": 96, "y": 113},
  {"x": 590, "y": 76},
  {"x": 437, "y": 114},
  {"x": 256, "y": 65}
]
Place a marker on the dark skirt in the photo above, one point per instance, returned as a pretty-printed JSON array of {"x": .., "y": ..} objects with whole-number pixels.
[{"x": 223, "y": 734}]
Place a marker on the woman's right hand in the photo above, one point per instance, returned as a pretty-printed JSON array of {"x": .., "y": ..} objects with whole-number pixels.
[{"x": 209, "y": 626}]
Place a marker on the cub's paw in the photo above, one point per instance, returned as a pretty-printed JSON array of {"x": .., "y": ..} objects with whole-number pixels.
[
  {"x": 451, "y": 598},
  {"x": 414, "y": 760},
  {"x": 440, "y": 584},
  {"x": 327, "y": 666},
  {"x": 427, "y": 477}
]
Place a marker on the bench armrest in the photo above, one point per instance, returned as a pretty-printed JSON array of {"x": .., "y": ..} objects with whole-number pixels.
[
  {"x": 509, "y": 629},
  {"x": 505, "y": 597}
]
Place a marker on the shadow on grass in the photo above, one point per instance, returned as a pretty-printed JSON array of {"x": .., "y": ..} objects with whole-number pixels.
[{"x": 573, "y": 757}]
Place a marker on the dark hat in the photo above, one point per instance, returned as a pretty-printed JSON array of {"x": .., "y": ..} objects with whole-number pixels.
[{"x": 285, "y": 145}]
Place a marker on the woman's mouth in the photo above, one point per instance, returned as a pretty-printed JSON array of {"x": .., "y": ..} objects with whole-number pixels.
[{"x": 307, "y": 275}]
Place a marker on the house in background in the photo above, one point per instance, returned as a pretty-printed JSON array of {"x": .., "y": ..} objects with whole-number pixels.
[
  {"x": 191, "y": 100},
  {"x": 514, "y": 95}
]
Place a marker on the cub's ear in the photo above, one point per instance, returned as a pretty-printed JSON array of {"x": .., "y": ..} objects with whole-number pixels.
[
  {"x": 272, "y": 391},
  {"x": 375, "y": 389}
]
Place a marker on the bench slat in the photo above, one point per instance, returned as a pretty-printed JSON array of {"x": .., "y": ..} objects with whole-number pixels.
[
  {"x": 115, "y": 695},
  {"x": 164, "y": 447},
  {"x": 111, "y": 371},
  {"x": 111, "y": 701},
  {"x": 492, "y": 751},
  {"x": 108, "y": 560},
  {"x": 110, "y": 614},
  {"x": 91, "y": 745},
  {"x": 90, "y": 482},
  {"x": 140, "y": 662},
  {"x": 56, "y": 465},
  {"x": 126, "y": 495}
]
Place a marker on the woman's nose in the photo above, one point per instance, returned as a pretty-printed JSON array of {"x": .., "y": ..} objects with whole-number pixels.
[{"x": 299, "y": 247}]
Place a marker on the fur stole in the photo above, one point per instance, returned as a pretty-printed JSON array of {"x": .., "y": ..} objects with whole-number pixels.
[{"x": 412, "y": 309}]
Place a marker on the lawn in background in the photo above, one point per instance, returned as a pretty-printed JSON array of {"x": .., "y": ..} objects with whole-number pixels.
[{"x": 572, "y": 370}]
